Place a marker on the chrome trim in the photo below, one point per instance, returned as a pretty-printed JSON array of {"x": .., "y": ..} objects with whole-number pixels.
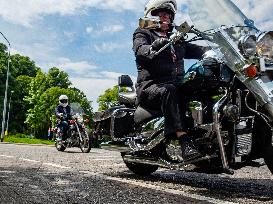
[
  {"x": 157, "y": 140},
  {"x": 164, "y": 163},
  {"x": 216, "y": 124}
]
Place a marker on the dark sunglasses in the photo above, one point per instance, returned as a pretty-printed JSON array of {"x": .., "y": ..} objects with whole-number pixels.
[{"x": 63, "y": 101}]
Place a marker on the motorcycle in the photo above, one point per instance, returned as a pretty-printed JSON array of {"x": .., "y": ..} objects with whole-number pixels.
[
  {"x": 230, "y": 99},
  {"x": 77, "y": 135}
]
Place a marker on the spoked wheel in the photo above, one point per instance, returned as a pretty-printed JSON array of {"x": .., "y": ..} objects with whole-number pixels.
[{"x": 85, "y": 143}]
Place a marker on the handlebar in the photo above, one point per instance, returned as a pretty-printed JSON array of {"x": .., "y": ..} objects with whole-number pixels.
[{"x": 182, "y": 31}]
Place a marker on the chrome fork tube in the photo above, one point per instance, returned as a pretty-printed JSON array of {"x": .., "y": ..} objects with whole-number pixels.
[{"x": 78, "y": 129}]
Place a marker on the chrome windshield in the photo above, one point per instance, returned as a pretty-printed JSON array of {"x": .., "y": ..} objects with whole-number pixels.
[
  {"x": 224, "y": 25},
  {"x": 224, "y": 22},
  {"x": 211, "y": 14}
]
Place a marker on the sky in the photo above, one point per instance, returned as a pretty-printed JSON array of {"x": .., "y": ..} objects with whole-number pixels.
[{"x": 91, "y": 40}]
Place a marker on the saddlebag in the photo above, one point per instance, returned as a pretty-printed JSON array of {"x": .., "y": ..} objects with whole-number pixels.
[{"x": 117, "y": 122}]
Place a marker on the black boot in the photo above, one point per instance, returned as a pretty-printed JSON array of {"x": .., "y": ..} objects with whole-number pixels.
[{"x": 189, "y": 151}]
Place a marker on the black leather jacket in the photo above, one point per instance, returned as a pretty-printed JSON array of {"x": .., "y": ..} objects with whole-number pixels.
[
  {"x": 161, "y": 68},
  {"x": 65, "y": 110}
]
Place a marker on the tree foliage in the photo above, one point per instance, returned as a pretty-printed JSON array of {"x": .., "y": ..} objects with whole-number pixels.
[
  {"x": 21, "y": 70},
  {"x": 57, "y": 78},
  {"x": 35, "y": 93},
  {"x": 43, "y": 97},
  {"x": 108, "y": 99}
]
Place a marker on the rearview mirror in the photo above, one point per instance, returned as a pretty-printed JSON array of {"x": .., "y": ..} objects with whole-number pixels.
[
  {"x": 125, "y": 80},
  {"x": 183, "y": 28}
]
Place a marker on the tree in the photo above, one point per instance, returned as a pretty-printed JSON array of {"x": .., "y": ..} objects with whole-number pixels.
[
  {"x": 22, "y": 65},
  {"x": 57, "y": 78},
  {"x": 108, "y": 98},
  {"x": 19, "y": 106},
  {"x": 37, "y": 88},
  {"x": 22, "y": 69}
]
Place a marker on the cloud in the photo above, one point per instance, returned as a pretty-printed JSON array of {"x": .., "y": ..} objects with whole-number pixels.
[
  {"x": 94, "y": 87},
  {"x": 109, "y": 29},
  {"x": 112, "y": 28},
  {"x": 42, "y": 59},
  {"x": 106, "y": 47},
  {"x": 89, "y": 29},
  {"x": 25, "y": 12},
  {"x": 259, "y": 11},
  {"x": 78, "y": 68},
  {"x": 12, "y": 10}
]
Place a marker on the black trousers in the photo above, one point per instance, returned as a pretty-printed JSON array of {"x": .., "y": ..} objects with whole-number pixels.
[
  {"x": 168, "y": 99},
  {"x": 63, "y": 127}
]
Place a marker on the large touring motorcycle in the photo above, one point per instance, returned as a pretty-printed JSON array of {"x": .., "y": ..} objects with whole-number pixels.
[{"x": 230, "y": 99}]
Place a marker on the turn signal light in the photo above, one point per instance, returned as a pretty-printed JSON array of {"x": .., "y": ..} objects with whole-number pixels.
[{"x": 251, "y": 71}]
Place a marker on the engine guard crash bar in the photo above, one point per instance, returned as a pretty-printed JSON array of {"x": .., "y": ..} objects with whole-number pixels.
[{"x": 216, "y": 127}]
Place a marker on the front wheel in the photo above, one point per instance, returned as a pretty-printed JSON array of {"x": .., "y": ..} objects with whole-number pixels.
[
  {"x": 268, "y": 151},
  {"x": 265, "y": 135},
  {"x": 85, "y": 142},
  {"x": 59, "y": 146}
]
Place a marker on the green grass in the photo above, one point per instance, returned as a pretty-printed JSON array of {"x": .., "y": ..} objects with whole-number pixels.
[{"x": 19, "y": 138}]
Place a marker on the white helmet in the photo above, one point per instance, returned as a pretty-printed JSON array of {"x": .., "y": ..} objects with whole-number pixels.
[
  {"x": 63, "y": 100},
  {"x": 154, "y": 6}
]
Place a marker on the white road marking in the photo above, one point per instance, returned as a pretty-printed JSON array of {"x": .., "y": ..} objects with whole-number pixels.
[
  {"x": 136, "y": 183},
  {"x": 57, "y": 165},
  {"x": 6, "y": 156},
  {"x": 158, "y": 188},
  {"x": 30, "y": 160}
]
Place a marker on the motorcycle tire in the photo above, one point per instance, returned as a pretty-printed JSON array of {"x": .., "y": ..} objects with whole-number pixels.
[
  {"x": 266, "y": 143},
  {"x": 60, "y": 147},
  {"x": 268, "y": 150},
  {"x": 141, "y": 169},
  {"x": 85, "y": 145}
]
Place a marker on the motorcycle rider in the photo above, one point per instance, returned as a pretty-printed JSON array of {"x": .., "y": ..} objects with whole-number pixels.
[
  {"x": 156, "y": 73},
  {"x": 63, "y": 114}
]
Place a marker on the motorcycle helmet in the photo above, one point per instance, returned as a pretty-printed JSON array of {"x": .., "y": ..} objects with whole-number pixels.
[
  {"x": 63, "y": 100},
  {"x": 154, "y": 6}
]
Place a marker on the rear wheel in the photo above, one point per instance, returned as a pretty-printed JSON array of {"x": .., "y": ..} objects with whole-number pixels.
[{"x": 85, "y": 143}]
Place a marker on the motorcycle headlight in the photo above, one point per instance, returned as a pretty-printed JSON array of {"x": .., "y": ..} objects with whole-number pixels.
[
  {"x": 265, "y": 46},
  {"x": 247, "y": 45},
  {"x": 80, "y": 119}
]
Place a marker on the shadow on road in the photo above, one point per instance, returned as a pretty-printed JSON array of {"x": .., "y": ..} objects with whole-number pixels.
[{"x": 218, "y": 186}]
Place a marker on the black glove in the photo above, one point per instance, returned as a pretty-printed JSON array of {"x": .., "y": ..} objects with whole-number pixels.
[
  {"x": 159, "y": 43},
  {"x": 61, "y": 115}
]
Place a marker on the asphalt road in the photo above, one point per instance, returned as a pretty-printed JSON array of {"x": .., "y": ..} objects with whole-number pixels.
[{"x": 41, "y": 174}]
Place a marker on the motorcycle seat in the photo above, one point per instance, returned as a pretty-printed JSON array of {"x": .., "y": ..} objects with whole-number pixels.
[{"x": 144, "y": 115}]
